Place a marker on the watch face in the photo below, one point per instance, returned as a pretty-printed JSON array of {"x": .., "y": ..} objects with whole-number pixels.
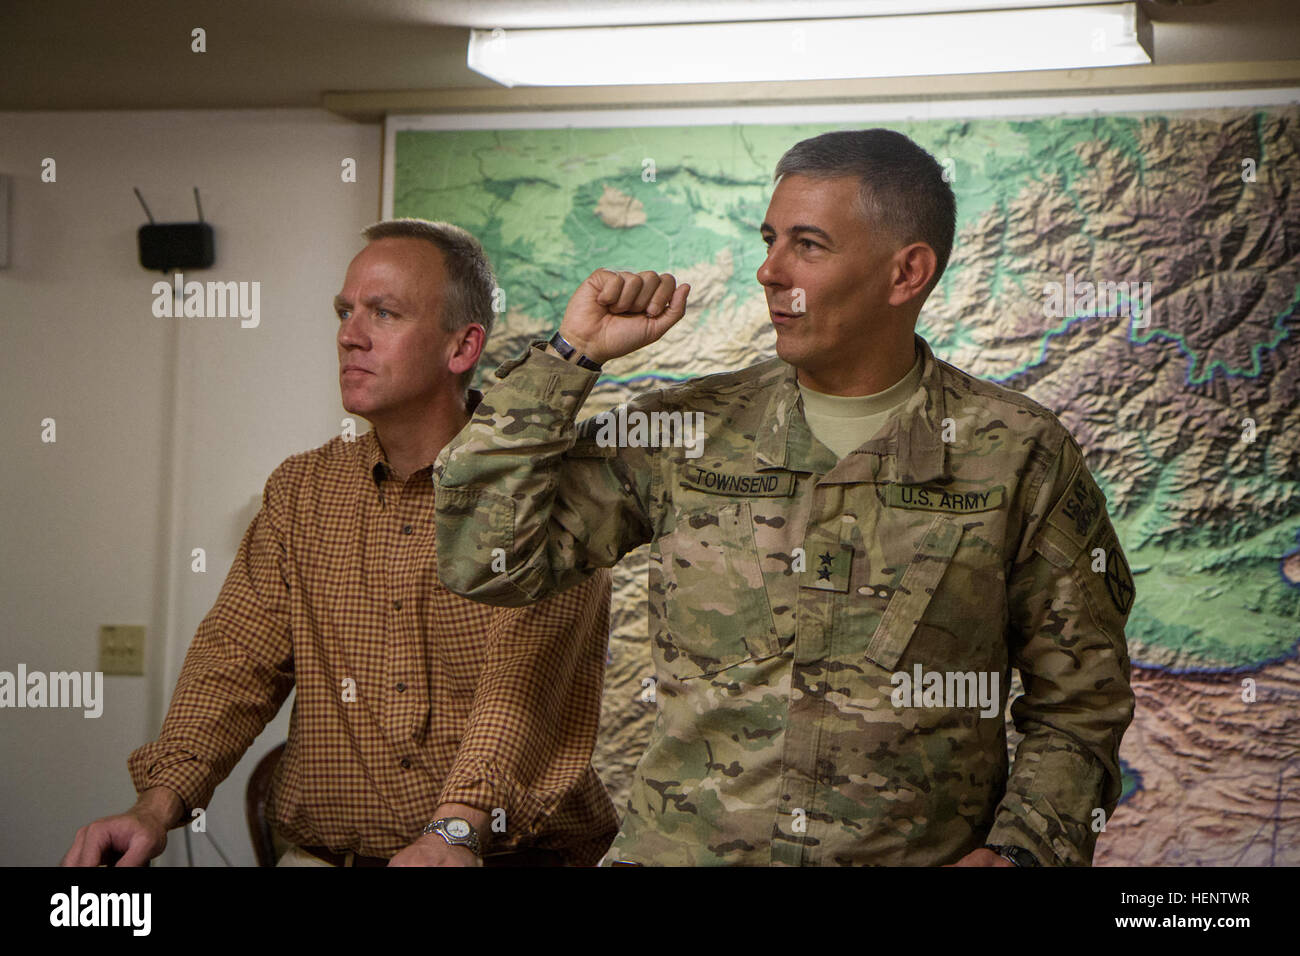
[{"x": 457, "y": 828}]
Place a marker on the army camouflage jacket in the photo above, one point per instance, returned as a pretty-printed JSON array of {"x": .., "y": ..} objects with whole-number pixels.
[{"x": 832, "y": 638}]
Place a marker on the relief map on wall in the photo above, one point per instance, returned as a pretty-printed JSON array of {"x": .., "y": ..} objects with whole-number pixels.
[{"x": 1138, "y": 274}]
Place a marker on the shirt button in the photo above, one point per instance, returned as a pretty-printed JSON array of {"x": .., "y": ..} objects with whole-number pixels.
[
  {"x": 848, "y": 519},
  {"x": 866, "y": 590},
  {"x": 400, "y": 686},
  {"x": 406, "y": 764},
  {"x": 397, "y": 605},
  {"x": 407, "y": 529}
]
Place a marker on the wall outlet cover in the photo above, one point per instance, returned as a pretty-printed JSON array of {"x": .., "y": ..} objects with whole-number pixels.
[{"x": 121, "y": 649}]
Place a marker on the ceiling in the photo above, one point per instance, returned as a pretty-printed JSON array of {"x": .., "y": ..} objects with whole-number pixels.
[{"x": 135, "y": 54}]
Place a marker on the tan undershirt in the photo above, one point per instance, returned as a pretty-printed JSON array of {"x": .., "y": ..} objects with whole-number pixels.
[{"x": 843, "y": 422}]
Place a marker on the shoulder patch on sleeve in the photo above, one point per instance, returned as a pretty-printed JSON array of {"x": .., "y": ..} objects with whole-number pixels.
[
  {"x": 1117, "y": 575},
  {"x": 1078, "y": 532},
  {"x": 1076, "y": 515}
]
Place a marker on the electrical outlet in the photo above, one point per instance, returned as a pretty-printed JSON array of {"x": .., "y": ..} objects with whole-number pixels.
[{"x": 121, "y": 649}]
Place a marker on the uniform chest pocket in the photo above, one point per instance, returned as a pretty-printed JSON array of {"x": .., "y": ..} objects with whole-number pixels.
[
  {"x": 716, "y": 605},
  {"x": 909, "y": 600}
]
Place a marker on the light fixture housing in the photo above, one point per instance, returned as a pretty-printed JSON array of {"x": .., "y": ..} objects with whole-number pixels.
[{"x": 986, "y": 41}]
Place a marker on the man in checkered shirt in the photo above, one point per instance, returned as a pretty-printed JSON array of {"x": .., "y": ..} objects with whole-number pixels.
[{"x": 427, "y": 729}]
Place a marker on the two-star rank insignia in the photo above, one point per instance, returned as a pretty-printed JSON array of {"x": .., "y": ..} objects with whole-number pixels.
[{"x": 829, "y": 569}]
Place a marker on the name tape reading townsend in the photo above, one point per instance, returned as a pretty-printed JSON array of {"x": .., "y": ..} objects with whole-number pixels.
[{"x": 772, "y": 485}]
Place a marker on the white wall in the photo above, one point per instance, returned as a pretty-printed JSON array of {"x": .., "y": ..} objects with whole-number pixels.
[{"x": 166, "y": 428}]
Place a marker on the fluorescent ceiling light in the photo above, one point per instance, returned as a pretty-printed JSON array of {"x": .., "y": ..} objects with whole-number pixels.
[
  {"x": 532, "y": 14},
  {"x": 990, "y": 41}
]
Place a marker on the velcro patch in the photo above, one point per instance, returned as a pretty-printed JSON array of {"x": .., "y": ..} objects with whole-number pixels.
[
  {"x": 1076, "y": 514},
  {"x": 1082, "y": 504},
  {"x": 951, "y": 500},
  {"x": 771, "y": 485},
  {"x": 1119, "y": 578}
]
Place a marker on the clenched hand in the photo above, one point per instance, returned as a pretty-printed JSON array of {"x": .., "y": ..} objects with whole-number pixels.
[{"x": 615, "y": 313}]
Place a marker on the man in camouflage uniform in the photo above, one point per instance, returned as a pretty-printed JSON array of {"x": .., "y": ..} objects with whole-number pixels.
[{"x": 832, "y": 632}]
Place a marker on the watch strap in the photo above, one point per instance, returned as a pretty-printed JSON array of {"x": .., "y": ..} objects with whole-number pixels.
[
  {"x": 567, "y": 351},
  {"x": 470, "y": 842},
  {"x": 1015, "y": 855}
]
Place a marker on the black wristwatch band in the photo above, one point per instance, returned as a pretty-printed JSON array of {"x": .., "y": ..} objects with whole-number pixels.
[
  {"x": 1014, "y": 854},
  {"x": 567, "y": 352}
]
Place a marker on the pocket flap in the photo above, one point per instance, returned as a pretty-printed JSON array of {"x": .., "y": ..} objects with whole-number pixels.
[{"x": 909, "y": 600}]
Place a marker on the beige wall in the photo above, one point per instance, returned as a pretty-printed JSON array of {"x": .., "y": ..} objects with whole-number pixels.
[{"x": 166, "y": 428}]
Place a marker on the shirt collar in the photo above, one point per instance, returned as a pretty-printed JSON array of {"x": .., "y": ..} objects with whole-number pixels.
[
  {"x": 372, "y": 456},
  {"x": 371, "y": 453},
  {"x": 911, "y": 436}
]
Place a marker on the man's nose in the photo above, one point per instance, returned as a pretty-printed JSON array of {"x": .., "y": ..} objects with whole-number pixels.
[
  {"x": 771, "y": 271},
  {"x": 350, "y": 332}
]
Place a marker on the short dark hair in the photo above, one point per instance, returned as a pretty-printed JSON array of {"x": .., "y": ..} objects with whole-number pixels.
[
  {"x": 903, "y": 189},
  {"x": 470, "y": 284}
]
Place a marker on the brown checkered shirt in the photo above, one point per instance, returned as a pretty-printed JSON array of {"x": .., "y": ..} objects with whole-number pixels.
[{"x": 408, "y": 695}]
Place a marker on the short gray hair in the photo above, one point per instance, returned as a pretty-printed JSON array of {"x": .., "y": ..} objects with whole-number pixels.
[
  {"x": 470, "y": 280},
  {"x": 902, "y": 189}
]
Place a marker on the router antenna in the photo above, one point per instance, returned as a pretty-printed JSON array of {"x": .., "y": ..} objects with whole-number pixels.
[{"x": 143, "y": 203}]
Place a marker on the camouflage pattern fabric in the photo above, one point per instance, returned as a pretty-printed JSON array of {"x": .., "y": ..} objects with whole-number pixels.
[{"x": 832, "y": 638}]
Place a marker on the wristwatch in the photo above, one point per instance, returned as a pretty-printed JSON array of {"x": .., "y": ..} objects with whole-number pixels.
[
  {"x": 567, "y": 351},
  {"x": 457, "y": 832},
  {"x": 1013, "y": 854}
]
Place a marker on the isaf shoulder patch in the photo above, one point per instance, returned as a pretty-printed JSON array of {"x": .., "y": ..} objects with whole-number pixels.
[
  {"x": 1075, "y": 528},
  {"x": 1083, "y": 503},
  {"x": 1075, "y": 515}
]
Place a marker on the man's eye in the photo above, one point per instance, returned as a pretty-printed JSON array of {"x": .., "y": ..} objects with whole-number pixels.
[
  {"x": 383, "y": 313},
  {"x": 343, "y": 314},
  {"x": 809, "y": 244}
]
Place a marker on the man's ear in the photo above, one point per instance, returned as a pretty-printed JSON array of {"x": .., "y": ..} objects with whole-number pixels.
[
  {"x": 467, "y": 346},
  {"x": 915, "y": 266}
]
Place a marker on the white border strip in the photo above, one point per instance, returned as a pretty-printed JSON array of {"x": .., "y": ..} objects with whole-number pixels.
[{"x": 910, "y": 110}]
